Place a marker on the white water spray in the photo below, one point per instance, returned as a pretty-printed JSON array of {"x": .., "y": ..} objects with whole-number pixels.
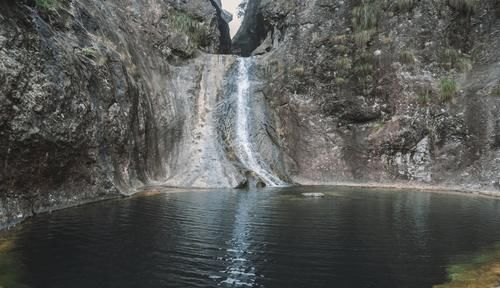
[{"x": 246, "y": 152}]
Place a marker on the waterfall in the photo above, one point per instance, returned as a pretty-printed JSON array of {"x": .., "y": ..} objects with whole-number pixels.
[{"x": 245, "y": 149}]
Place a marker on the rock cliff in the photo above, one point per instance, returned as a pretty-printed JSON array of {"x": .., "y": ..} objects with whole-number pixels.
[
  {"x": 382, "y": 91},
  {"x": 88, "y": 109}
]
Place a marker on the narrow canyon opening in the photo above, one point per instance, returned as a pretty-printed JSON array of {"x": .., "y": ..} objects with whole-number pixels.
[
  {"x": 235, "y": 8},
  {"x": 247, "y": 27}
]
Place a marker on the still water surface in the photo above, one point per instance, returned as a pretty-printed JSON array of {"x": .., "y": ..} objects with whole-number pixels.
[{"x": 352, "y": 238}]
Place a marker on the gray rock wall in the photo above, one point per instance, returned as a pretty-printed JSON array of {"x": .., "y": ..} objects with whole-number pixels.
[
  {"x": 358, "y": 92},
  {"x": 87, "y": 106}
]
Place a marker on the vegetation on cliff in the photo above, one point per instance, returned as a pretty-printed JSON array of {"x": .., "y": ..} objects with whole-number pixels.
[
  {"x": 481, "y": 271},
  {"x": 46, "y": 4}
]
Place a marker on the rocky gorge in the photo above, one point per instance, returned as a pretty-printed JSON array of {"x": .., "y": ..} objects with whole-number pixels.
[{"x": 101, "y": 98}]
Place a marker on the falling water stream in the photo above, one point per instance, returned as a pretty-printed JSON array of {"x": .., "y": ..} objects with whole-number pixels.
[{"x": 246, "y": 151}]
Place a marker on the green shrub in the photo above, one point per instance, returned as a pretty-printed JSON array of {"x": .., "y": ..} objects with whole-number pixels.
[
  {"x": 448, "y": 89},
  {"x": 453, "y": 59},
  {"x": 362, "y": 38},
  {"x": 495, "y": 91},
  {"x": 449, "y": 56},
  {"x": 364, "y": 57},
  {"x": 339, "y": 39},
  {"x": 463, "y": 64},
  {"x": 342, "y": 49},
  {"x": 298, "y": 71},
  {"x": 386, "y": 40},
  {"x": 404, "y": 5},
  {"x": 343, "y": 63},
  {"x": 480, "y": 50},
  {"x": 424, "y": 92},
  {"x": 378, "y": 126},
  {"x": 407, "y": 57},
  {"x": 187, "y": 24},
  {"x": 366, "y": 15},
  {"x": 183, "y": 22},
  {"x": 464, "y": 6},
  {"x": 90, "y": 52},
  {"x": 363, "y": 69},
  {"x": 46, "y": 4},
  {"x": 340, "y": 81},
  {"x": 424, "y": 97},
  {"x": 274, "y": 69}
]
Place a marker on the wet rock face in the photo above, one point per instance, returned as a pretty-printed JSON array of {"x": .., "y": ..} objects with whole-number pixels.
[
  {"x": 198, "y": 158},
  {"x": 86, "y": 106},
  {"x": 359, "y": 88}
]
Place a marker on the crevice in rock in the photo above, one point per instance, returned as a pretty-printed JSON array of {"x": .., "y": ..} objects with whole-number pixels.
[
  {"x": 225, "y": 37},
  {"x": 253, "y": 31}
]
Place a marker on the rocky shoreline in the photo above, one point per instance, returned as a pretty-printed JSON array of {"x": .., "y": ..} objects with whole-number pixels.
[{"x": 396, "y": 187}]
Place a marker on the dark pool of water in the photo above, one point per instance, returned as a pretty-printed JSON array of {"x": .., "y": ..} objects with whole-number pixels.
[{"x": 352, "y": 238}]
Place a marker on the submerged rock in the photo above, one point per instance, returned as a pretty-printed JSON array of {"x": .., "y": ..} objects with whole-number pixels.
[{"x": 313, "y": 195}]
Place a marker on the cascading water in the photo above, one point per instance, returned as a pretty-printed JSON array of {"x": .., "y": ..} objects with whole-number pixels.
[{"x": 246, "y": 151}]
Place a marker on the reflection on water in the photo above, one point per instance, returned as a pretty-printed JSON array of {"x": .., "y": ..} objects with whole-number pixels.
[
  {"x": 267, "y": 238},
  {"x": 240, "y": 271}
]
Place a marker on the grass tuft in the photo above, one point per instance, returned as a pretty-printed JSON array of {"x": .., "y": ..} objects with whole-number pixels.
[
  {"x": 495, "y": 91},
  {"x": 341, "y": 49},
  {"x": 90, "y": 52},
  {"x": 407, "y": 57},
  {"x": 190, "y": 26},
  {"x": 339, "y": 39},
  {"x": 466, "y": 7},
  {"x": 343, "y": 63},
  {"x": 424, "y": 96},
  {"x": 299, "y": 71},
  {"x": 463, "y": 64},
  {"x": 362, "y": 38},
  {"x": 46, "y": 4},
  {"x": 448, "y": 89},
  {"x": 453, "y": 59},
  {"x": 365, "y": 16},
  {"x": 404, "y": 5},
  {"x": 340, "y": 81},
  {"x": 363, "y": 69}
]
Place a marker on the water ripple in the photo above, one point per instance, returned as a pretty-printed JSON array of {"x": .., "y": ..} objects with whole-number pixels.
[{"x": 268, "y": 238}]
